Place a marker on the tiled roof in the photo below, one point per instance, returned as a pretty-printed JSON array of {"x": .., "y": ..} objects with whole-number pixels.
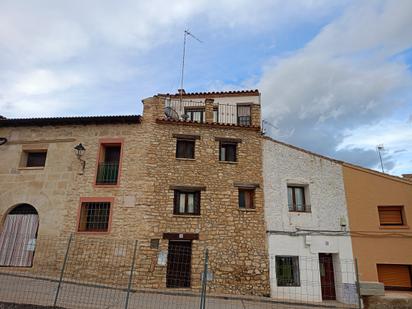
[
  {"x": 234, "y": 93},
  {"x": 79, "y": 120}
]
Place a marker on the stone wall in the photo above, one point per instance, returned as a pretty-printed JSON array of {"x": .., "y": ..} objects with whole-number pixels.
[
  {"x": 235, "y": 238},
  {"x": 142, "y": 207}
]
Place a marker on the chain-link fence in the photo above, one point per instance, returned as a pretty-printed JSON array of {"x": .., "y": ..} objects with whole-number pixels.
[{"x": 82, "y": 271}]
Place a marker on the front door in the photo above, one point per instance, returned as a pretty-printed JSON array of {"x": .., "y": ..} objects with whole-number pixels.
[
  {"x": 179, "y": 260},
  {"x": 327, "y": 276}
]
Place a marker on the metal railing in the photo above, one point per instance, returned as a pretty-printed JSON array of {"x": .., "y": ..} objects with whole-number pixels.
[
  {"x": 194, "y": 111},
  {"x": 107, "y": 173}
]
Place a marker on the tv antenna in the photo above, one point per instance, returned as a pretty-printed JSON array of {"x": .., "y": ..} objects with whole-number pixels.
[
  {"x": 380, "y": 148},
  {"x": 185, "y": 35}
]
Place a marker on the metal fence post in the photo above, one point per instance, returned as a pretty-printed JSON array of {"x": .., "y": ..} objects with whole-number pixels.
[
  {"x": 62, "y": 270},
  {"x": 204, "y": 281},
  {"x": 129, "y": 286},
  {"x": 358, "y": 284}
]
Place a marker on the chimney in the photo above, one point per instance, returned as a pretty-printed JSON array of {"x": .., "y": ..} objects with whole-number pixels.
[
  {"x": 407, "y": 176},
  {"x": 181, "y": 91}
]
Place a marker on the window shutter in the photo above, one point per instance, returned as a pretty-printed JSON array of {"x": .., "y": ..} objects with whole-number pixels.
[
  {"x": 391, "y": 215},
  {"x": 176, "y": 202},
  {"x": 241, "y": 199},
  {"x": 197, "y": 203}
]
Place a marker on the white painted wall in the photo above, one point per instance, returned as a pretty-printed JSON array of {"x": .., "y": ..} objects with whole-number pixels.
[{"x": 283, "y": 165}]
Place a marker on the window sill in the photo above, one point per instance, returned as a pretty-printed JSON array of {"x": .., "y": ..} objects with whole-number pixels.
[
  {"x": 228, "y": 162},
  {"x": 300, "y": 212},
  {"x": 31, "y": 168},
  {"x": 92, "y": 233},
  {"x": 186, "y": 159},
  {"x": 106, "y": 186},
  {"x": 393, "y": 227},
  {"x": 247, "y": 210},
  {"x": 185, "y": 216}
]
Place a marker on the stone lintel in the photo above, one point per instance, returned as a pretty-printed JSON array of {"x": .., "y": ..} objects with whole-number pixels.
[
  {"x": 187, "y": 188},
  {"x": 186, "y": 136},
  {"x": 246, "y": 185},
  {"x": 181, "y": 236},
  {"x": 228, "y": 139}
]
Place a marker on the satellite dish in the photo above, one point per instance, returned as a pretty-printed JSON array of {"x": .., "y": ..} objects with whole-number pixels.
[
  {"x": 3, "y": 140},
  {"x": 171, "y": 113}
]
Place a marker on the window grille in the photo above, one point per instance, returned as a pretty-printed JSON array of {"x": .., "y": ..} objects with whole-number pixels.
[{"x": 94, "y": 217}]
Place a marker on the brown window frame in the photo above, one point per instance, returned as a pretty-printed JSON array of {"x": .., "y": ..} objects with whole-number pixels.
[
  {"x": 392, "y": 208},
  {"x": 224, "y": 145},
  {"x": 240, "y": 121},
  {"x": 196, "y": 202},
  {"x": 252, "y": 198},
  {"x": 88, "y": 225},
  {"x": 294, "y": 208},
  {"x": 31, "y": 162},
  {"x": 189, "y": 111},
  {"x": 186, "y": 154}
]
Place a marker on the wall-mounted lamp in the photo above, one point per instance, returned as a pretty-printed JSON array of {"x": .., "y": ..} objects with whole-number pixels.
[{"x": 79, "y": 151}]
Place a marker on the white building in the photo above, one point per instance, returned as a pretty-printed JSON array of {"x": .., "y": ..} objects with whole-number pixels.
[{"x": 305, "y": 207}]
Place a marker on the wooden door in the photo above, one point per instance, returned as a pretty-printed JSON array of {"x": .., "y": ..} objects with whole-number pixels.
[
  {"x": 179, "y": 262},
  {"x": 395, "y": 276},
  {"x": 327, "y": 276}
]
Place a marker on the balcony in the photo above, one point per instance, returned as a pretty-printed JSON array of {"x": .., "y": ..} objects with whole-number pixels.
[
  {"x": 107, "y": 173},
  {"x": 208, "y": 112}
]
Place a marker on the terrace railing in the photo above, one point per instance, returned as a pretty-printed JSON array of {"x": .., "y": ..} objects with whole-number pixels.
[{"x": 107, "y": 173}]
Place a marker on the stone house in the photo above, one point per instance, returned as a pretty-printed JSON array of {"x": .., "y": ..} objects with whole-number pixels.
[
  {"x": 310, "y": 249},
  {"x": 184, "y": 177}
]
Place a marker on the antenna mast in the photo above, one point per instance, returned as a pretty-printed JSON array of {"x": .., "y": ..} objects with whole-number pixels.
[
  {"x": 185, "y": 35},
  {"x": 379, "y": 148}
]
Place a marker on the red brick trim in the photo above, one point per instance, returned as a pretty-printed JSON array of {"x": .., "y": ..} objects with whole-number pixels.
[
  {"x": 207, "y": 124},
  {"x": 95, "y": 199},
  {"x": 104, "y": 142}
]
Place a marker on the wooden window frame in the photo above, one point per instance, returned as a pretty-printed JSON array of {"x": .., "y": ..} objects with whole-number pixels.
[
  {"x": 240, "y": 105},
  {"x": 399, "y": 208},
  {"x": 192, "y": 110},
  {"x": 196, "y": 202},
  {"x": 252, "y": 192},
  {"x": 306, "y": 207},
  {"x": 221, "y": 145},
  {"x": 84, "y": 200},
  {"x": 102, "y": 144},
  {"x": 24, "y": 160},
  {"x": 186, "y": 140}
]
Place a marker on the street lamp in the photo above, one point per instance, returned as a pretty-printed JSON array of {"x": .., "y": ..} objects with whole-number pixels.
[{"x": 79, "y": 151}]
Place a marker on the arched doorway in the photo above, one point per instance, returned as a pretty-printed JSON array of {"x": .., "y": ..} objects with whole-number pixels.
[{"x": 18, "y": 236}]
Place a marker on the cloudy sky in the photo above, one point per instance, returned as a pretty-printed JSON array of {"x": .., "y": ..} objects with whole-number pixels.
[{"x": 335, "y": 76}]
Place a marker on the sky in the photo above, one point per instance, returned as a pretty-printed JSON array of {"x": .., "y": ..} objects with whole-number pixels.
[{"x": 335, "y": 76}]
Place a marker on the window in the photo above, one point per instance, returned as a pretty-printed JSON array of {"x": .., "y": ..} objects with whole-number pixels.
[
  {"x": 187, "y": 203},
  {"x": 185, "y": 149},
  {"x": 109, "y": 163},
  {"x": 195, "y": 114},
  {"x": 391, "y": 215},
  {"x": 94, "y": 217},
  {"x": 35, "y": 158},
  {"x": 154, "y": 243},
  {"x": 227, "y": 151},
  {"x": 296, "y": 199},
  {"x": 243, "y": 115},
  {"x": 246, "y": 199},
  {"x": 287, "y": 271}
]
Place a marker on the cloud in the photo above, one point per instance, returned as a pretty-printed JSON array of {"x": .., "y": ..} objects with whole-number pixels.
[
  {"x": 343, "y": 79},
  {"x": 49, "y": 47}
]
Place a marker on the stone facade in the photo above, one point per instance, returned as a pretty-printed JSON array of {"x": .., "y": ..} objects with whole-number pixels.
[{"x": 142, "y": 201}]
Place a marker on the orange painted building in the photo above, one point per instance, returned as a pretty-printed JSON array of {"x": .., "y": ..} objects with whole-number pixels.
[{"x": 380, "y": 220}]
